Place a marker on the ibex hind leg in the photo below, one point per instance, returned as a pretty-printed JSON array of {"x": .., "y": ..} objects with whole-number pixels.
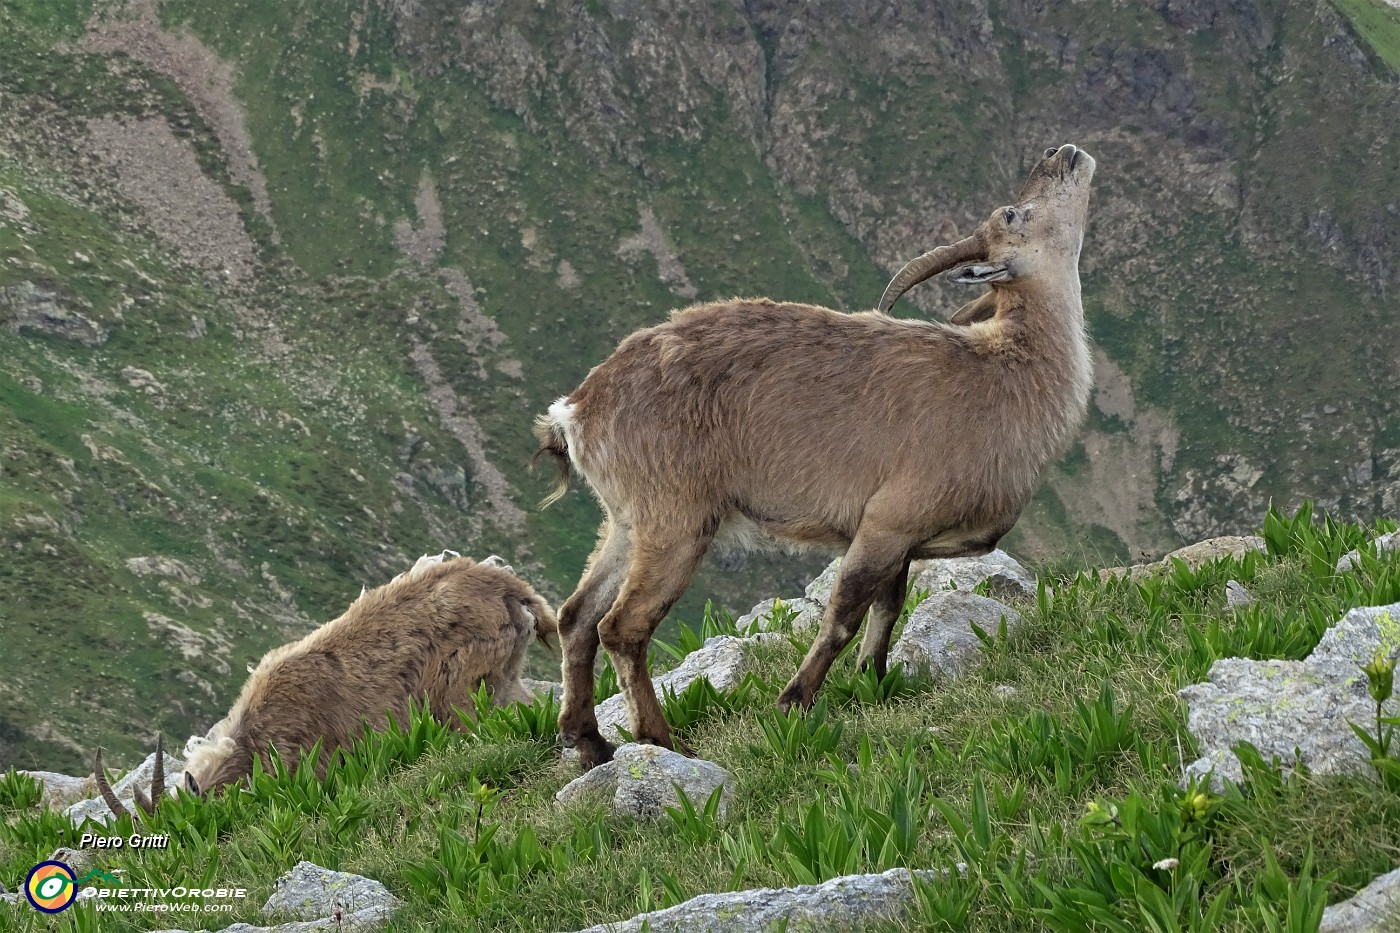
[
  {"x": 578, "y": 635},
  {"x": 867, "y": 570},
  {"x": 658, "y": 575}
]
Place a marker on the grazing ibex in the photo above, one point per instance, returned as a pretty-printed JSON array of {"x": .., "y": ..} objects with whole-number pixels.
[
  {"x": 891, "y": 439},
  {"x": 431, "y": 635}
]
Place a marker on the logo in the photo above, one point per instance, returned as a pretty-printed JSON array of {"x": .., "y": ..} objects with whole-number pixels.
[{"x": 51, "y": 887}]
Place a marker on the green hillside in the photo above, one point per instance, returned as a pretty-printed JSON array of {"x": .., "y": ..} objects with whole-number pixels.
[{"x": 282, "y": 284}]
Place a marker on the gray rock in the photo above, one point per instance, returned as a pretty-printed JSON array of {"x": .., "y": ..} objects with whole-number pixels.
[
  {"x": 1384, "y": 544},
  {"x": 96, "y": 808},
  {"x": 819, "y": 590},
  {"x": 1294, "y": 710},
  {"x": 1375, "y": 908},
  {"x": 1201, "y": 553},
  {"x": 62, "y": 790},
  {"x": 836, "y": 904},
  {"x": 76, "y": 859},
  {"x": 1009, "y": 579},
  {"x": 1236, "y": 595},
  {"x": 162, "y": 567},
  {"x": 1005, "y": 691},
  {"x": 643, "y": 780},
  {"x": 1194, "y": 556},
  {"x": 938, "y": 637},
  {"x": 26, "y": 306},
  {"x": 310, "y": 892},
  {"x": 723, "y": 660},
  {"x": 808, "y": 618},
  {"x": 544, "y": 688},
  {"x": 371, "y": 918}
]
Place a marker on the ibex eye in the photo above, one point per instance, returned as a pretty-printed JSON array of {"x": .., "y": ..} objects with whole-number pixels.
[{"x": 1010, "y": 215}]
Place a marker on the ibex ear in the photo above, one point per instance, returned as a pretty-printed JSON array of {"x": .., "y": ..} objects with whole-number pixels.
[
  {"x": 978, "y": 273},
  {"x": 982, "y": 308},
  {"x": 191, "y": 784}
]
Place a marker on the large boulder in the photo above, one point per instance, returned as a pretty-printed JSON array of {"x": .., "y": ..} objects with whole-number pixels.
[
  {"x": 838, "y": 904},
  {"x": 939, "y": 638},
  {"x": 1298, "y": 711},
  {"x": 645, "y": 779}
]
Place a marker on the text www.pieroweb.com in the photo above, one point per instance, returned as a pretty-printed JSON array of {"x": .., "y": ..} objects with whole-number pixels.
[{"x": 168, "y": 900}]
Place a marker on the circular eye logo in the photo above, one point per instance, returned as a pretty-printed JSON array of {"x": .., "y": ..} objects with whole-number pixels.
[{"x": 51, "y": 887}]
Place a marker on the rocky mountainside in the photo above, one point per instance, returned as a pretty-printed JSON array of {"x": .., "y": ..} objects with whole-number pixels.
[{"x": 282, "y": 285}]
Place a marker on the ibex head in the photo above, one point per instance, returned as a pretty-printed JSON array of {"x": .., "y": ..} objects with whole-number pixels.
[{"x": 1037, "y": 237}]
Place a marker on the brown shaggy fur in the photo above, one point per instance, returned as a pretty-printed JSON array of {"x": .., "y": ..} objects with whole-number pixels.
[
  {"x": 888, "y": 439},
  {"x": 432, "y": 635}
]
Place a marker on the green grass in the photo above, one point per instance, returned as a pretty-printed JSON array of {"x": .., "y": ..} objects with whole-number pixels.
[
  {"x": 1379, "y": 25},
  {"x": 1060, "y": 798}
]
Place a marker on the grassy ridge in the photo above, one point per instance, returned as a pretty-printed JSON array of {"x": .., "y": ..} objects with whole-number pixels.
[{"x": 1061, "y": 796}]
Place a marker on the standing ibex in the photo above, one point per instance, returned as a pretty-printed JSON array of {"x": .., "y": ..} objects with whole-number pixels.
[
  {"x": 891, "y": 439},
  {"x": 431, "y": 635}
]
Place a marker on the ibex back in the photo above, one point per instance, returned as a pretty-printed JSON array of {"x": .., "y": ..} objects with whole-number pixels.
[{"x": 887, "y": 439}]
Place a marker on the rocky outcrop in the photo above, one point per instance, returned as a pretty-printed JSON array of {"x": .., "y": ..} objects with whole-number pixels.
[
  {"x": 310, "y": 892},
  {"x": 1297, "y": 711},
  {"x": 1008, "y": 580},
  {"x": 34, "y": 308},
  {"x": 60, "y": 791},
  {"x": 838, "y": 904}
]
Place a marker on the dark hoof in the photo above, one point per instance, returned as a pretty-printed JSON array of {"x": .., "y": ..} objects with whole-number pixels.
[
  {"x": 794, "y": 696},
  {"x": 593, "y": 750}
]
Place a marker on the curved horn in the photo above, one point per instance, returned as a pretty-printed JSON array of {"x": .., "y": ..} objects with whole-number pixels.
[
  {"x": 104, "y": 787},
  {"x": 928, "y": 265},
  {"x": 158, "y": 773}
]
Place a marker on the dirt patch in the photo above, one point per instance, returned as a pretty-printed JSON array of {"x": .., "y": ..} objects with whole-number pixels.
[
  {"x": 132, "y": 27},
  {"x": 455, "y": 417},
  {"x": 651, "y": 239},
  {"x": 423, "y": 243},
  {"x": 160, "y": 174}
]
